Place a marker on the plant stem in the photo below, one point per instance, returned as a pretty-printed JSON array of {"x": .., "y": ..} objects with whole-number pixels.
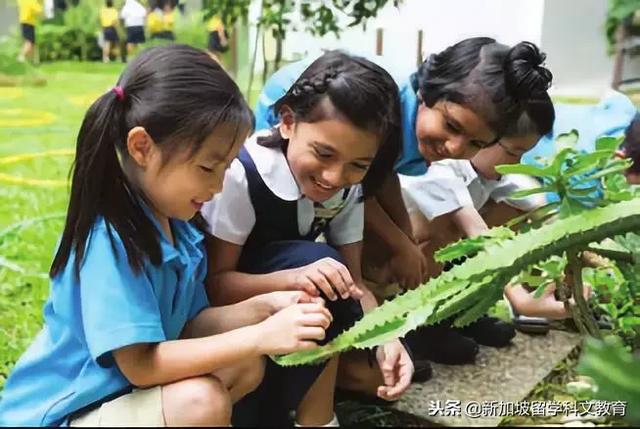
[
  {"x": 563, "y": 292},
  {"x": 575, "y": 262}
]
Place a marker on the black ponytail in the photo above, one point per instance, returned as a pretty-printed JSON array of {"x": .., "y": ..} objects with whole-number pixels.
[
  {"x": 528, "y": 81},
  {"x": 524, "y": 74},
  {"x": 179, "y": 95}
]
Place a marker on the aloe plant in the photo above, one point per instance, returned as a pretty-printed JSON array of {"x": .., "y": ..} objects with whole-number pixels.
[{"x": 467, "y": 291}]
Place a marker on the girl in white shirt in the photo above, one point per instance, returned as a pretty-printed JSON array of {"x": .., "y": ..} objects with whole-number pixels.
[
  {"x": 339, "y": 126},
  {"x": 133, "y": 14}
]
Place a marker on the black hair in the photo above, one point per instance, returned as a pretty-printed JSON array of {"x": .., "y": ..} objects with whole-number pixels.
[
  {"x": 631, "y": 144},
  {"x": 358, "y": 90},
  {"x": 537, "y": 118},
  {"x": 109, "y": 3},
  {"x": 497, "y": 82},
  {"x": 179, "y": 94}
]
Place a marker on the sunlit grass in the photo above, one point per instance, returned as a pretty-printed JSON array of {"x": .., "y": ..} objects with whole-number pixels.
[{"x": 31, "y": 217}]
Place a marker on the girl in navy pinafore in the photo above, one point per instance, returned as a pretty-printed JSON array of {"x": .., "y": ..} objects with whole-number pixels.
[{"x": 339, "y": 127}]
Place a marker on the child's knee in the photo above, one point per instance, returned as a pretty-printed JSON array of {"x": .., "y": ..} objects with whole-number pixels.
[{"x": 199, "y": 400}]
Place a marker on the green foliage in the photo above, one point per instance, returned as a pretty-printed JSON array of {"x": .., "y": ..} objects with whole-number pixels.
[
  {"x": 229, "y": 10},
  {"x": 468, "y": 290},
  {"x": 470, "y": 246},
  {"x": 189, "y": 30},
  {"x": 59, "y": 42},
  {"x": 616, "y": 286},
  {"x": 76, "y": 38},
  {"x": 321, "y": 19},
  {"x": 616, "y": 373},
  {"x": 617, "y": 11},
  {"x": 275, "y": 16},
  {"x": 581, "y": 180}
]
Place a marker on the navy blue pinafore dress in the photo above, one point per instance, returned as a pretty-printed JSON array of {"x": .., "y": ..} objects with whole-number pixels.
[{"x": 275, "y": 244}]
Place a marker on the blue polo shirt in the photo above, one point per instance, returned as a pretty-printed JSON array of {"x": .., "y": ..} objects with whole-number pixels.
[{"x": 70, "y": 364}]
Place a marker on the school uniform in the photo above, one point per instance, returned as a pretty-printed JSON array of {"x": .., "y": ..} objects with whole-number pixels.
[
  {"x": 451, "y": 184},
  {"x": 215, "y": 28},
  {"x": 108, "y": 22},
  {"x": 262, "y": 209},
  {"x": 160, "y": 24},
  {"x": 69, "y": 369},
  {"x": 133, "y": 14},
  {"x": 28, "y": 11}
]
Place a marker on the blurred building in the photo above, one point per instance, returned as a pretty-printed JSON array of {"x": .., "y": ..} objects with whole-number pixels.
[{"x": 571, "y": 32}]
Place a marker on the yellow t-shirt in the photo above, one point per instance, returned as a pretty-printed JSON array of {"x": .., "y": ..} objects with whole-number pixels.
[
  {"x": 108, "y": 17},
  {"x": 168, "y": 19},
  {"x": 29, "y": 11},
  {"x": 214, "y": 24},
  {"x": 154, "y": 22}
]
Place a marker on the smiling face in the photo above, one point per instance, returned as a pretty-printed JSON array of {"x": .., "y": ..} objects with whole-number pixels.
[
  {"x": 328, "y": 155},
  {"x": 177, "y": 187},
  {"x": 450, "y": 130}
]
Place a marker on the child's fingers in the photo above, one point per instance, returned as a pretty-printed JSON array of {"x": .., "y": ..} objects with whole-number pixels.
[
  {"x": 322, "y": 284},
  {"x": 316, "y": 300},
  {"x": 404, "y": 380},
  {"x": 314, "y": 307},
  {"x": 306, "y": 285},
  {"x": 316, "y": 320},
  {"x": 388, "y": 365},
  {"x": 345, "y": 275},
  {"x": 382, "y": 392},
  {"x": 307, "y": 345},
  {"x": 355, "y": 292},
  {"x": 304, "y": 297},
  {"x": 311, "y": 333},
  {"x": 335, "y": 280}
]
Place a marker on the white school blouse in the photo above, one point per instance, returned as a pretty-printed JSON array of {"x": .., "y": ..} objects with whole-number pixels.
[
  {"x": 230, "y": 214},
  {"x": 133, "y": 14},
  {"x": 451, "y": 184}
]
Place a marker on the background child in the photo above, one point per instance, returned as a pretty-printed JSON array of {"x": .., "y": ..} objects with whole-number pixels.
[
  {"x": 128, "y": 338},
  {"x": 337, "y": 122},
  {"x": 108, "y": 22},
  {"x": 28, "y": 12},
  {"x": 133, "y": 14},
  {"x": 218, "y": 37},
  {"x": 161, "y": 21}
]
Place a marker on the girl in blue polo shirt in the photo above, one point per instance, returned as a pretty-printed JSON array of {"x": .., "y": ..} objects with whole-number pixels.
[
  {"x": 129, "y": 338},
  {"x": 338, "y": 121}
]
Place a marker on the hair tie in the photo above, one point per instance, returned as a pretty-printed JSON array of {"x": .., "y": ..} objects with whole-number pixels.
[{"x": 119, "y": 92}]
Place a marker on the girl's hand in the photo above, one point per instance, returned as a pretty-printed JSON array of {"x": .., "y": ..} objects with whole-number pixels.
[
  {"x": 276, "y": 301},
  {"x": 325, "y": 275},
  {"x": 397, "y": 369},
  {"x": 408, "y": 266},
  {"x": 293, "y": 328},
  {"x": 547, "y": 305}
]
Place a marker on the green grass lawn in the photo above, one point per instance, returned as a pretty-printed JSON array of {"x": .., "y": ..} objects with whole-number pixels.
[{"x": 37, "y": 119}]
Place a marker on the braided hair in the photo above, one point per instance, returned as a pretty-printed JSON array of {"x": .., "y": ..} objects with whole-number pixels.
[{"x": 351, "y": 88}]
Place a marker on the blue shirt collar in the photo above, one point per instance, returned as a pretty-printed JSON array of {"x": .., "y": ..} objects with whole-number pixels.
[{"x": 186, "y": 237}]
